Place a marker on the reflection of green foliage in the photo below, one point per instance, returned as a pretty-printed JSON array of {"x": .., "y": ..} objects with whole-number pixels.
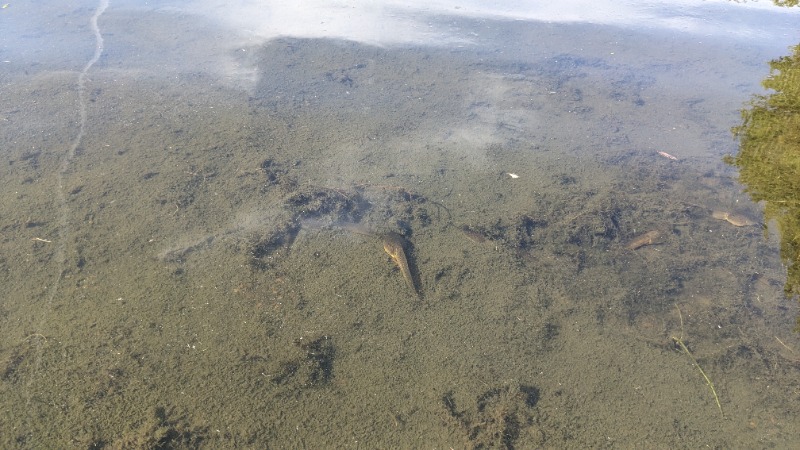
[
  {"x": 769, "y": 156},
  {"x": 786, "y": 3}
]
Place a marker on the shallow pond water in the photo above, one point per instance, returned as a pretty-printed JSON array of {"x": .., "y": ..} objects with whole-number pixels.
[{"x": 198, "y": 200}]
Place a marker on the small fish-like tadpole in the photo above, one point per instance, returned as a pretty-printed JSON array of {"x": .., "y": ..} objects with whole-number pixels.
[{"x": 395, "y": 245}]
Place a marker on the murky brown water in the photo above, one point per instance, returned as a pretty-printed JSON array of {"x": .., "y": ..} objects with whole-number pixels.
[{"x": 183, "y": 271}]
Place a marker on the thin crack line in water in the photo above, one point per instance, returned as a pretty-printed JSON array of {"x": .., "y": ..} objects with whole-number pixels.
[
  {"x": 63, "y": 226},
  {"x": 64, "y": 222}
]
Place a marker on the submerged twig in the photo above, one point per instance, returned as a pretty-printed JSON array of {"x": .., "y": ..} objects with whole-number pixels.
[{"x": 679, "y": 341}]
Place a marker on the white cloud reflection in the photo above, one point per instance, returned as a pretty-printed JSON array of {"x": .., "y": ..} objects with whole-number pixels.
[{"x": 419, "y": 21}]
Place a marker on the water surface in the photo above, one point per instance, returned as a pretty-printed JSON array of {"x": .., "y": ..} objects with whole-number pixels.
[{"x": 194, "y": 199}]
